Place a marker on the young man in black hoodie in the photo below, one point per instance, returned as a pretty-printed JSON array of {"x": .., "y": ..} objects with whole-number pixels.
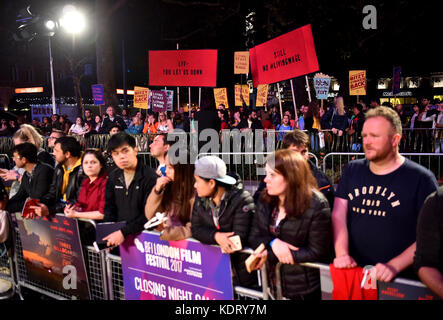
[{"x": 127, "y": 189}]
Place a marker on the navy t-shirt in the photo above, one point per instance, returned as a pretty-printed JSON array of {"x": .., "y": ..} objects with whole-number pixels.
[{"x": 383, "y": 209}]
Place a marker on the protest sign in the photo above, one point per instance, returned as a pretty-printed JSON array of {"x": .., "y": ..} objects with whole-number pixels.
[
  {"x": 396, "y": 79},
  {"x": 155, "y": 269},
  {"x": 189, "y": 68},
  {"x": 321, "y": 85},
  {"x": 40, "y": 111},
  {"x": 159, "y": 101},
  {"x": 169, "y": 99},
  {"x": 98, "y": 94},
  {"x": 221, "y": 97},
  {"x": 241, "y": 62},
  {"x": 241, "y": 94},
  {"x": 357, "y": 82},
  {"x": 53, "y": 254},
  {"x": 141, "y": 97},
  {"x": 287, "y": 56},
  {"x": 262, "y": 95}
]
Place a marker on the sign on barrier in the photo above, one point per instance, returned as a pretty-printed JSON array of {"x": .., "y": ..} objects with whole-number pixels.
[
  {"x": 154, "y": 269},
  {"x": 53, "y": 254},
  {"x": 400, "y": 291}
]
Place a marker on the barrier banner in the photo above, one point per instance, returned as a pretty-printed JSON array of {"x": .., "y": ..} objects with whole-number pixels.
[
  {"x": 221, "y": 97},
  {"x": 396, "y": 79},
  {"x": 357, "y": 82},
  {"x": 155, "y": 269},
  {"x": 287, "y": 56},
  {"x": 262, "y": 95},
  {"x": 241, "y": 62},
  {"x": 53, "y": 254},
  {"x": 141, "y": 97},
  {"x": 170, "y": 99},
  {"x": 98, "y": 94},
  {"x": 159, "y": 100},
  {"x": 400, "y": 291},
  {"x": 183, "y": 68},
  {"x": 241, "y": 93}
]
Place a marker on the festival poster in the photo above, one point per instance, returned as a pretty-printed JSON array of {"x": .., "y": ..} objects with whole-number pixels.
[
  {"x": 98, "y": 94},
  {"x": 262, "y": 95},
  {"x": 221, "y": 97},
  {"x": 285, "y": 57},
  {"x": 322, "y": 83},
  {"x": 241, "y": 62},
  {"x": 141, "y": 97},
  {"x": 183, "y": 68},
  {"x": 53, "y": 254},
  {"x": 155, "y": 269},
  {"x": 159, "y": 100},
  {"x": 357, "y": 82},
  {"x": 170, "y": 99},
  {"x": 241, "y": 94}
]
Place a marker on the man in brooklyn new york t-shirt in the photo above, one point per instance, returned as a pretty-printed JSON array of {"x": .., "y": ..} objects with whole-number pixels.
[{"x": 378, "y": 201}]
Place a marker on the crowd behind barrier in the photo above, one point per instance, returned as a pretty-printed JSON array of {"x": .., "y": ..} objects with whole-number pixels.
[
  {"x": 322, "y": 142},
  {"x": 104, "y": 269}
]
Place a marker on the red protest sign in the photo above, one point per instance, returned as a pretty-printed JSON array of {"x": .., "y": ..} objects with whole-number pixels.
[
  {"x": 183, "y": 68},
  {"x": 287, "y": 56}
]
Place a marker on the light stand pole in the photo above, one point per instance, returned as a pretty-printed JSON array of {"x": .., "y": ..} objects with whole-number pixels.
[{"x": 54, "y": 108}]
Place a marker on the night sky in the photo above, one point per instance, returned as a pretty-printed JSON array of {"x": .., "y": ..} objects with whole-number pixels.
[{"x": 408, "y": 33}]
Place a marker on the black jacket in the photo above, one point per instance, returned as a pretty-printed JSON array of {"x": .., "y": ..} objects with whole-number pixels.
[
  {"x": 311, "y": 233},
  {"x": 45, "y": 157},
  {"x": 207, "y": 119},
  {"x": 35, "y": 187},
  {"x": 323, "y": 182},
  {"x": 236, "y": 212},
  {"x": 256, "y": 124},
  {"x": 107, "y": 124},
  {"x": 52, "y": 198},
  {"x": 122, "y": 204}
]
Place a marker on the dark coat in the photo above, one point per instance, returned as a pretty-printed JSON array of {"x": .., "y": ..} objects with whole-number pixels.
[
  {"x": 52, "y": 198},
  {"x": 236, "y": 213},
  {"x": 107, "y": 124},
  {"x": 128, "y": 204},
  {"x": 237, "y": 210},
  {"x": 311, "y": 233},
  {"x": 35, "y": 187}
]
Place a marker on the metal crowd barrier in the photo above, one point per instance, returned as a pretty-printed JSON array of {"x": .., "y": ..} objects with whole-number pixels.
[
  {"x": 117, "y": 291},
  {"x": 95, "y": 269},
  {"x": 7, "y": 266},
  {"x": 326, "y": 281},
  {"x": 333, "y": 163}
]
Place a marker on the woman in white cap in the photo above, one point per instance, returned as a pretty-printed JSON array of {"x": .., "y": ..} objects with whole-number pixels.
[{"x": 222, "y": 209}]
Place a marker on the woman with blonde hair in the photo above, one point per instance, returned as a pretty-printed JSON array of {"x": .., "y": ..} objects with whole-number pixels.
[
  {"x": 339, "y": 125},
  {"x": 164, "y": 124},
  {"x": 26, "y": 133}
]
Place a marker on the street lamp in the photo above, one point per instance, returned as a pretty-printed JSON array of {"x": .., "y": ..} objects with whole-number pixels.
[
  {"x": 50, "y": 25},
  {"x": 73, "y": 21}
]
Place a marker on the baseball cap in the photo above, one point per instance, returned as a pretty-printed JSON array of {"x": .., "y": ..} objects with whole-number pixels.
[{"x": 212, "y": 167}]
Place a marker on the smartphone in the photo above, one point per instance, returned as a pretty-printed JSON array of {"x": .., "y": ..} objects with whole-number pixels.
[
  {"x": 100, "y": 246},
  {"x": 237, "y": 242}
]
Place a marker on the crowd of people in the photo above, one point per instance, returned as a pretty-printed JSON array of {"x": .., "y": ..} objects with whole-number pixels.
[{"x": 371, "y": 219}]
